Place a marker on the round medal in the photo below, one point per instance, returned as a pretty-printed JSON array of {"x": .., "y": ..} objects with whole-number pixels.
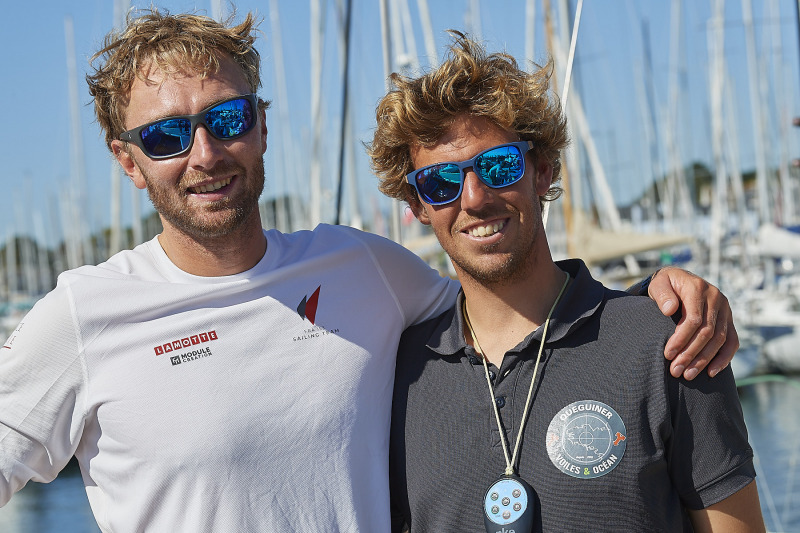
[
  {"x": 508, "y": 506},
  {"x": 586, "y": 439}
]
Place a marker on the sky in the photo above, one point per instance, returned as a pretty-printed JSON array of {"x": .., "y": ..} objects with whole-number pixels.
[{"x": 40, "y": 172}]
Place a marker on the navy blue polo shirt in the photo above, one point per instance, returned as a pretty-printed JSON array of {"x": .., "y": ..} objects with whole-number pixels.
[{"x": 612, "y": 441}]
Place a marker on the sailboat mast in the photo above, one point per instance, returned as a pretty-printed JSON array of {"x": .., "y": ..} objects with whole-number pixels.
[
  {"x": 345, "y": 60},
  {"x": 716, "y": 46},
  {"x": 530, "y": 32},
  {"x": 82, "y": 253},
  {"x": 676, "y": 173},
  {"x": 388, "y": 53},
  {"x": 136, "y": 194},
  {"x": 427, "y": 32},
  {"x": 44, "y": 271},
  {"x": 788, "y": 209},
  {"x": 27, "y": 261},
  {"x": 282, "y": 210},
  {"x": 115, "y": 241},
  {"x": 317, "y": 30},
  {"x": 571, "y": 164},
  {"x": 756, "y": 100},
  {"x": 348, "y": 174},
  {"x": 217, "y": 9},
  {"x": 11, "y": 263},
  {"x": 648, "y": 102},
  {"x": 472, "y": 19},
  {"x": 734, "y": 163}
]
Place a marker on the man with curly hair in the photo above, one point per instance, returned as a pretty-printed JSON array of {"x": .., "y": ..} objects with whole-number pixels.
[
  {"x": 221, "y": 377},
  {"x": 537, "y": 402}
]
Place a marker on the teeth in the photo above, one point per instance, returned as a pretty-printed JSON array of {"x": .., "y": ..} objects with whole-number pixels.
[
  {"x": 211, "y": 186},
  {"x": 485, "y": 231}
]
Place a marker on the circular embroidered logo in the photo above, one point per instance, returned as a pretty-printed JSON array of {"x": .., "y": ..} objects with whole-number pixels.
[{"x": 586, "y": 439}]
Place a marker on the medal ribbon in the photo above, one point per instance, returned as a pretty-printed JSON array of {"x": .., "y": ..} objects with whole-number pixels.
[{"x": 512, "y": 461}]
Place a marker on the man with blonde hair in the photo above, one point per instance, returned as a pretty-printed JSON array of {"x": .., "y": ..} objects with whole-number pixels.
[
  {"x": 538, "y": 401},
  {"x": 221, "y": 377}
]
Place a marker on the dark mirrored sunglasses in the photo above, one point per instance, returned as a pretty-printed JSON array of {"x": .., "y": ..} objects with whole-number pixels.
[
  {"x": 499, "y": 166},
  {"x": 173, "y": 136}
]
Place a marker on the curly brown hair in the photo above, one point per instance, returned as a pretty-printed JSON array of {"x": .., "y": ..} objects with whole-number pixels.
[
  {"x": 174, "y": 44},
  {"x": 419, "y": 111}
]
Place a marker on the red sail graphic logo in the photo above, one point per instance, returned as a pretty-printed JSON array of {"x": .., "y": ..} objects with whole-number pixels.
[{"x": 308, "y": 306}]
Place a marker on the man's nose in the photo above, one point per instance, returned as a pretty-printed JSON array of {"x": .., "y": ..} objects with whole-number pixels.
[
  {"x": 475, "y": 193},
  {"x": 206, "y": 150}
]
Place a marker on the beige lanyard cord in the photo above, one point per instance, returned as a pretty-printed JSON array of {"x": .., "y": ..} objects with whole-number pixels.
[{"x": 512, "y": 461}]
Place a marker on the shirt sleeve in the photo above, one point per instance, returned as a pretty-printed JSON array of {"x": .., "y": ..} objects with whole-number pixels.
[
  {"x": 42, "y": 395},
  {"x": 709, "y": 455},
  {"x": 419, "y": 291}
]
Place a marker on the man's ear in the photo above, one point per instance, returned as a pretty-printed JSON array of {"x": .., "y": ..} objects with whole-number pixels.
[
  {"x": 129, "y": 166},
  {"x": 263, "y": 113},
  {"x": 543, "y": 178},
  {"x": 419, "y": 209}
]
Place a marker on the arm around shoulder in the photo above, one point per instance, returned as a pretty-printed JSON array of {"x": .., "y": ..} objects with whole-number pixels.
[{"x": 738, "y": 513}]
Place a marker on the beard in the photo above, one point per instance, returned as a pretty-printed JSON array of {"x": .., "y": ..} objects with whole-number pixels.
[
  {"x": 217, "y": 219},
  {"x": 491, "y": 266},
  {"x": 500, "y": 271},
  {"x": 505, "y": 271}
]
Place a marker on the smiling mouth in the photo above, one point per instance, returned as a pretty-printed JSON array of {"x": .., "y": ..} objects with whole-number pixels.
[
  {"x": 487, "y": 230},
  {"x": 210, "y": 187}
]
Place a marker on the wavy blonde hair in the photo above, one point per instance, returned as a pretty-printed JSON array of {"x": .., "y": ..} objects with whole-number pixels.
[
  {"x": 419, "y": 111},
  {"x": 173, "y": 44}
]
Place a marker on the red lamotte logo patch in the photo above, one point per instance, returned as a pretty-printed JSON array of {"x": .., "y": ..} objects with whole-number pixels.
[{"x": 185, "y": 342}]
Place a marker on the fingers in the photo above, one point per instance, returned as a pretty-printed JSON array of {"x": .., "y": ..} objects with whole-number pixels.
[
  {"x": 704, "y": 345},
  {"x": 727, "y": 351},
  {"x": 662, "y": 292},
  {"x": 705, "y": 336},
  {"x": 675, "y": 289}
]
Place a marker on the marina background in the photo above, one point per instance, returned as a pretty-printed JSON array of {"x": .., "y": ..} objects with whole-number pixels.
[
  {"x": 684, "y": 147},
  {"x": 623, "y": 71}
]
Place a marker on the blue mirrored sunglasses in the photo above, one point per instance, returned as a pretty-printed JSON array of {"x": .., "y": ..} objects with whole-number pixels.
[
  {"x": 499, "y": 166},
  {"x": 173, "y": 136}
]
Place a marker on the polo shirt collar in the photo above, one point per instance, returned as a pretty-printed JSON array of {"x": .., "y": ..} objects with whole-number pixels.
[{"x": 581, "y": 299}]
